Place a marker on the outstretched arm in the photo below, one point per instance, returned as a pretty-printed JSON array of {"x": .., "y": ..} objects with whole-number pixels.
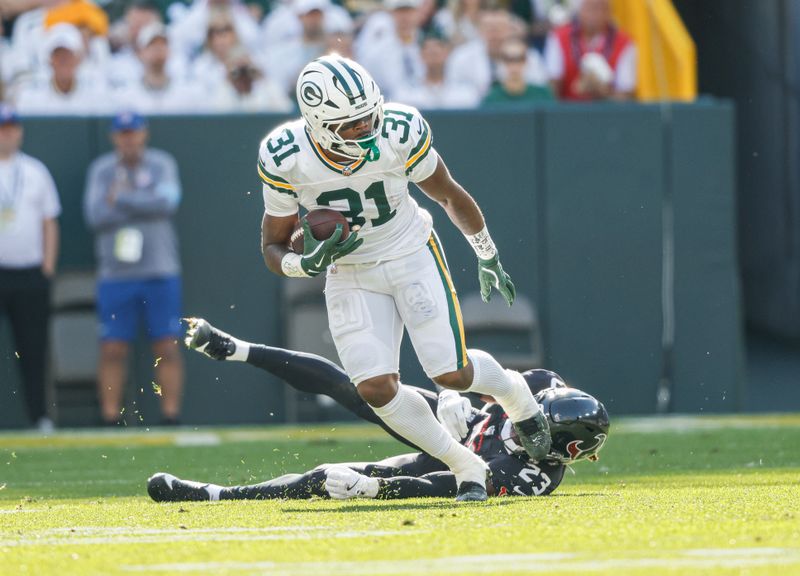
[
  {"x": 464, "y": 212},
  {"x": 434, "y": 485},
  {"x": 313, "y": 483}
]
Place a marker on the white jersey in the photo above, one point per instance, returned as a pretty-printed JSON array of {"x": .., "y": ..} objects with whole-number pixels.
[{"x": 373, "y": 195}]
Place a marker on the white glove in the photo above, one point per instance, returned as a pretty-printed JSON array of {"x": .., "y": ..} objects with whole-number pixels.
[
  {"x": 343, "y": 483},
  {"x": 453, "y": 411}
]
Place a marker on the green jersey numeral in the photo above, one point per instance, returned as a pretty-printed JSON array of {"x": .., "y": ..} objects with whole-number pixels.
[
  {"x": 275, "y": 145},
  {"x": 396, "y": 120},
  {"x": 353, "y": 198},
  {"x": 375, "y": 192}
]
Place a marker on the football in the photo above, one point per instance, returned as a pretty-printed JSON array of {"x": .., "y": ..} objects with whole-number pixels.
[{"x": 322, "y": 223}]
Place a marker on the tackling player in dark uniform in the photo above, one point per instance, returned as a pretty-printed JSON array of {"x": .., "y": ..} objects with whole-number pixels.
[{"x": 578, "y": 424}]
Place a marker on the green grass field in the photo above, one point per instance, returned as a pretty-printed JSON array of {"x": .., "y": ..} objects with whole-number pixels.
[{"x": 675, "y": 496}]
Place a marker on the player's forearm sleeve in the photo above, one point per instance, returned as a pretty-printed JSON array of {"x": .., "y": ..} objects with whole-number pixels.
[
  {"x": 288, "y": 486},
  {"x": 433, "y": 485}
]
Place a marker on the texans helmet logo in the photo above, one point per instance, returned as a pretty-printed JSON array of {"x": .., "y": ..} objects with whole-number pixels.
[{"x": 575, "y": 450}]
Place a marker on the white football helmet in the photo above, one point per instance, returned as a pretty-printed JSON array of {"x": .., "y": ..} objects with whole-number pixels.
[{"x": 332, "y": 91}]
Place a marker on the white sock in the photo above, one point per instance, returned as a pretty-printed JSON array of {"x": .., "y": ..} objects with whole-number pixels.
[
  {"x": 410, "y": 416},
  {"x": 507, "y": 386},
  {"x": 241, "y": 352},
  {"x": 213, "y": 492}
]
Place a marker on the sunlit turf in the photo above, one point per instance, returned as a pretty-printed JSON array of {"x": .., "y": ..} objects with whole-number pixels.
[{"x": 675, "y": 496}]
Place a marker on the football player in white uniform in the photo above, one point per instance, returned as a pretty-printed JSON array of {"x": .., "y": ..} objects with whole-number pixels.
[{"x": 351, "y": 153}]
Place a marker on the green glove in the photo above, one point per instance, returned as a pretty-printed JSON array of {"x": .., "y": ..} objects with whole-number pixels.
[
  {"x": 319, "y": 254},
  {"x": 491, "y": 275}
]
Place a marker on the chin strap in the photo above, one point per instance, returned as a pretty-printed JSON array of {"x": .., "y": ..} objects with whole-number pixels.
[{"x": 373, "y": 152}]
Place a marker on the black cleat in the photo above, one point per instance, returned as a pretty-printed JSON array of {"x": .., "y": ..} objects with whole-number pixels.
[
  {"x": 168, "y": 488},
  {"x": 534, "y": 435},
  {"x": 471, "y": 492},
  {"x": 203, "y": 337}
]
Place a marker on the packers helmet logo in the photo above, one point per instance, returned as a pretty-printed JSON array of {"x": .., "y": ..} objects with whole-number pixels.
[
  {"x": 311, "y": 94},
  {"x": 574, "y": 448}
]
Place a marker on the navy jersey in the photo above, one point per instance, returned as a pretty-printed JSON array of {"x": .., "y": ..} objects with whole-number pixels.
[
  {"x": 513, "y": 474},
  {"x": 489, "y": 437}
]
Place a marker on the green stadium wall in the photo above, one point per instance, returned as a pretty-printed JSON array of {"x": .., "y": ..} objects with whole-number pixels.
[{"x": 575, "y": 197}]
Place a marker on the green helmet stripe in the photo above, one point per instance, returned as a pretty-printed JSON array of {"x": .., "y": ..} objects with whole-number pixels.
[
  {"x": 354, "y": 76},
  {"x": 339, "y": 76}
]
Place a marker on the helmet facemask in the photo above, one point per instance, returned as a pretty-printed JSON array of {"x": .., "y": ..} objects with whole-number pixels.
[{"x": 356, "y": 149}]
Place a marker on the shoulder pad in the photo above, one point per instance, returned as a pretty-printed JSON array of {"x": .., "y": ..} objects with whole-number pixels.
[
  {"x": 278, "y": 154},
  {"x": 279, "y": 148},
  {"x": 407, "y": 132}
]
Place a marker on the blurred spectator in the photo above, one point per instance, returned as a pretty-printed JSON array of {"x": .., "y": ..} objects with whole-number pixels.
[
  {"x": 339, "y": 37},
  {"x": 157, "y": 89},
  {"x": 435, "y": 91},
  {"x": 548, "y": 15},
  {"x": 541, "y": 16},
  {"x": 62, "y": 91},
  {"x": 190, "y": 32},
  {"x": 35, "y": 17},
  {"x": 82, "y": 14},
  {"x": 26, "y": 39},
  {"x": 282, "y": 24},
  {"x": 256, "y": 11},
  {"x": 393, "y": 58},
  {"x": 131, "y": 196},
  {"x": 555, "y": 12},
  {"x": 458, "y": 20},
  {"x": 208, "y": 68},
  {"x": 92, "y": 22},
  {"x": 29, "y": 208},
  {"x": 284, "y": 61},
  {"x": 125, "y": 64},
  {"x": 478, "y": 62},
  {"x": 590, "y": 58},
  {"x": 513, "y": 86},
  {"x": 124, "y": 31},
  {"x": 246, "y": 89},
  {"x": 427, "y": 10}
]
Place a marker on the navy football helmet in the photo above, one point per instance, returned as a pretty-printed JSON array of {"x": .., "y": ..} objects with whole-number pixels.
[{"x": 578, "y": 423}]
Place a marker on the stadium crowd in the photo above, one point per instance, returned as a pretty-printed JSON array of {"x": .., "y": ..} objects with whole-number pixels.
[{"x": 62, "y": 57}]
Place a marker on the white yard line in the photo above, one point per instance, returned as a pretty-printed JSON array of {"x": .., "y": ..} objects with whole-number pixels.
[
  {"x": 135, "y": 531},
  {"x": 22, "y": 510},
  {"x": 531, "y": 563},
  {"x": 85, "y": 536}
]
